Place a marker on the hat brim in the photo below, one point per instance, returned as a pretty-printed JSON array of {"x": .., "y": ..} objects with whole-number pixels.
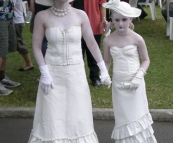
[{"x": 134, "y": 12}]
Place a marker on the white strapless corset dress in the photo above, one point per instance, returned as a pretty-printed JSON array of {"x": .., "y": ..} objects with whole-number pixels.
[
  {"x": 132, "y": 118},
  {"x": 65, "y": 114}
]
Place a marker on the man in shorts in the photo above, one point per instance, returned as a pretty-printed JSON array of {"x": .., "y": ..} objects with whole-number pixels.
[{"x": 7, "y": 44}]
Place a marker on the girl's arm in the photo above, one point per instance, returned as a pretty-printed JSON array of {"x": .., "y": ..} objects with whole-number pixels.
[
  {"x": 143, "y": 53},
  {"x": 106, "y": 51}
]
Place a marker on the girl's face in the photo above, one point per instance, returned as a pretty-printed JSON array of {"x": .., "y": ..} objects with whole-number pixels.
[{"x": 121, "y": 23}]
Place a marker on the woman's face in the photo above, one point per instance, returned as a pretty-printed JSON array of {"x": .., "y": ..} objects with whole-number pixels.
[{"x": 121, "y": 23}]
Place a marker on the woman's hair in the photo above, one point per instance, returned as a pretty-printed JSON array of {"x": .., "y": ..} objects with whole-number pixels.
[{"x": 131, "y": 25}]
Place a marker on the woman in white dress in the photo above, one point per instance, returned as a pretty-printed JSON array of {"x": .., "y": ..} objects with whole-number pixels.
[
  {"x": 63, "y": 111},
  {"x": 126, "y": 47}
]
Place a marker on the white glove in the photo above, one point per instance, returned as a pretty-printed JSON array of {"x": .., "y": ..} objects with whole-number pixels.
[
  {"x": 46, "y": 81},
  {"x": 134, "y": 84},
  {"x": 104, "y": 77}
]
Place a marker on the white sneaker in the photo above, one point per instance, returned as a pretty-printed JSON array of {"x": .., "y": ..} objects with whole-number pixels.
[
  {"x": 9, "y": 83},
  {"x": 4, "y": 91}
]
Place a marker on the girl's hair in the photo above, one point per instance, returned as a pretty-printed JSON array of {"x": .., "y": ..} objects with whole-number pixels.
[{"x": 131, "y": 25}]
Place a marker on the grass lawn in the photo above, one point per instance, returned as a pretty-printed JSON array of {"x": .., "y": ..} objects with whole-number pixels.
[{"x": 159, "y": 82}]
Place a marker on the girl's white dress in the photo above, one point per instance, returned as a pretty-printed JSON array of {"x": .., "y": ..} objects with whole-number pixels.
[
  {"x": 65, "y": 114},
  {"x": 132, "y": 118}
]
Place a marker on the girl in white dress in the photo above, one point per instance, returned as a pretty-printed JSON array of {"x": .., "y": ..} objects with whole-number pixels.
[
  {"x": 126, "y": 47},
  {"x": 63, "y": 111}
]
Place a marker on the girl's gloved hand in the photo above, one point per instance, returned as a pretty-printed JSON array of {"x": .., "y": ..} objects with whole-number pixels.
[{"x": 134, "y": 84}]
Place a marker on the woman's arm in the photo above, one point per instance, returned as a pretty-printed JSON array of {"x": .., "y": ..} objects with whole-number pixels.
[
  {"x": 37, "y": 38},
  {"x": 94, "y": 49},
  {"x": 89, "y": 38},
  {"x": 46, "y": 81}
]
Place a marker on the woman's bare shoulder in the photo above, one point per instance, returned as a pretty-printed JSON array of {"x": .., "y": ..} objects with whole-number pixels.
[
  {"x": 80, "y": 13},
  {"x": 43, "y": 13}
]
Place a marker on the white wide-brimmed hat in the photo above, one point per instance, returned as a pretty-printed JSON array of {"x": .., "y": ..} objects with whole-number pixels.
[{"x": 122, "y": 8}]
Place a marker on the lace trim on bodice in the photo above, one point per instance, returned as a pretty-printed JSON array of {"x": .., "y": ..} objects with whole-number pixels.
[{"x": 64, "y": 46}]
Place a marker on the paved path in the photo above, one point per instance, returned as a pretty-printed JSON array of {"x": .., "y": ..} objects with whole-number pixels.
[{"x": 17, "y": 130}]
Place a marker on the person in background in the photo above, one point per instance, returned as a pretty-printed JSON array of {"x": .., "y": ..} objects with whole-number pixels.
[
  {"x": 7, "y": 44},
  {"x": 19, "y": 23},
  {"x": 127, "y": 49},
  {"x": 134, "y": 3},
  {"x": 164, "y": 12},
  {"x": 97, "y": 17},
  {"x": 143, "y": 13}
]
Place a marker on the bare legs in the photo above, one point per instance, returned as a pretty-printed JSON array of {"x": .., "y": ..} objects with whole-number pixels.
[{"x": 28, "y": 62}]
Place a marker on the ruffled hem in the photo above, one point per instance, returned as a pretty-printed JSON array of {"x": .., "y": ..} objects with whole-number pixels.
[
  {"x": 133, "y": 128},
  {"x": 91, "y": 138},
  {"x": 143, "y": 137}
]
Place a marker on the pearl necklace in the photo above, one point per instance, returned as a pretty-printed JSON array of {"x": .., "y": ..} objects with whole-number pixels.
[
  {"x": 122, "y": 37},
  {"x": 60, "y": 12}
]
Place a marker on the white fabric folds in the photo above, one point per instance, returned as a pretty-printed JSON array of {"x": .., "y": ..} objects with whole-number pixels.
[
  {"x": 136, "y": 132},
  {"x": 91, "y": 138}
]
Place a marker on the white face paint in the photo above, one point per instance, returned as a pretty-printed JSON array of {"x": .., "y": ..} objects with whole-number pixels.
[{"x": 121, "y": 23}]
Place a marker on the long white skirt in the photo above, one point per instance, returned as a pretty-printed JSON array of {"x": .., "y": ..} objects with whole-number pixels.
[
  {"x": 65, "y": 114},
  {"x": 132, "y": 118}
]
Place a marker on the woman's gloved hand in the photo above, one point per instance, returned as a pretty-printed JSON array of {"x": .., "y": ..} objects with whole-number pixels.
[
  {"x": 104, "y": 77},
  {"x": 46, "y": 81}
]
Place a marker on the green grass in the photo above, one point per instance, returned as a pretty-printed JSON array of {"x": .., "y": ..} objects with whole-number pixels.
[{"x": 159, "y": 82}]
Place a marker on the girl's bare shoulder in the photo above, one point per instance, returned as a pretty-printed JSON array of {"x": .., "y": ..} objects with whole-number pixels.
[{"x": 137, "y": 36}]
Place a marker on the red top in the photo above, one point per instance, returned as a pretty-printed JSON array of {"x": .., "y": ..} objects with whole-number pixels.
[{"x": 92, "y": 9}]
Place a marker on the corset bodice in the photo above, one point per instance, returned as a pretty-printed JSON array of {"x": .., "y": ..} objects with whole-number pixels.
[
  {"x": 64, "y": 46},
  {"x": 126, "y": 60}
]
